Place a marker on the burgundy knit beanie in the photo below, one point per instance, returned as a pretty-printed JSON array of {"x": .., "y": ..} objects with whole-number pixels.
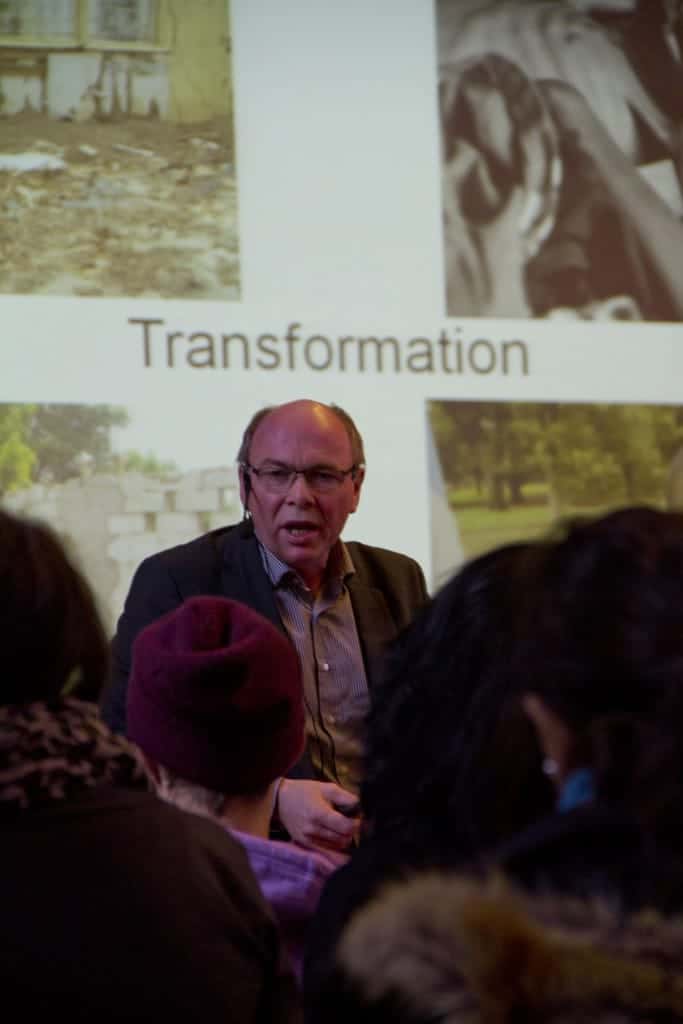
[{"x": 215, "y": 696}]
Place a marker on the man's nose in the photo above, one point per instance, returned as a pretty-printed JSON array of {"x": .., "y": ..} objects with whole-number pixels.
[{"x": 300, "y": 489}]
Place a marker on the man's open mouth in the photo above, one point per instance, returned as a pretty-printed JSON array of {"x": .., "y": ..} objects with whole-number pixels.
[{"x": 300, "y": 530}]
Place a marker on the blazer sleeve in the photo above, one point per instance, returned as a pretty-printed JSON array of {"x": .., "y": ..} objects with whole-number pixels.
[
  {"x": 223, "y": 561},
  {"x": 153, "y": 592}
]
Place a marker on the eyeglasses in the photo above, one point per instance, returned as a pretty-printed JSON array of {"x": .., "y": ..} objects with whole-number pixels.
[{"x": 321, "y": 479}]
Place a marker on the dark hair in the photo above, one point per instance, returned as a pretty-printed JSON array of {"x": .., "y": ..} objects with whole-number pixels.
[
  {"x": 601, "y": 641},
  {"x": 249, "y": 431},
  {"x": 452, "y": 763},
  {"x": 51, "y": 635},
  {"x": 357, "y": 449}
]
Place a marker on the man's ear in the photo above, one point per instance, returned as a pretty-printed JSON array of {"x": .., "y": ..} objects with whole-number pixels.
[
  {"x": 555, "y": 738},
  {"x": 357, "y": 484}
]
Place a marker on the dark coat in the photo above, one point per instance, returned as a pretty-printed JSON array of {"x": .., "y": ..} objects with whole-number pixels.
[
  {"x": 118, "y": 907},
  {"x": 591, "y": 852},
  {"x": 447, "y": 948},
  {"x": 385, "y": 592},
  {"x": 115, "y": 905},
  {"x": 594, "y": 850}
]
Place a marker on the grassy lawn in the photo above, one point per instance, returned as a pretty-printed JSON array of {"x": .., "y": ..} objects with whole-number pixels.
[{"x": 482, "y": 528}]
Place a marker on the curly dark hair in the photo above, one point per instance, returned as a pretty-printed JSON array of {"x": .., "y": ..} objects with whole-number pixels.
[
  {"x": 52, "y": 637},
  {"x": 452, "y": 763},
  {"x": 601, "y": 642},
  {"x": 591, "y": 620}
]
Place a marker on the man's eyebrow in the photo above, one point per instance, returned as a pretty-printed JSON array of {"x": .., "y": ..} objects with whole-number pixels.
[{"x": 315, "y": 466}]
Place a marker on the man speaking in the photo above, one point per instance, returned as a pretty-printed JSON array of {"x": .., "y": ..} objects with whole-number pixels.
[{"x": 301, "y": 469}]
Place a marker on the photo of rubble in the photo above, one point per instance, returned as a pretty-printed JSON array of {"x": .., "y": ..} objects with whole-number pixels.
[{"x": 117, "y": 168}]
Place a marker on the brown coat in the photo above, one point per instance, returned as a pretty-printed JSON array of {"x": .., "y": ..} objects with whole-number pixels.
[{"x": 445, "y": 948}]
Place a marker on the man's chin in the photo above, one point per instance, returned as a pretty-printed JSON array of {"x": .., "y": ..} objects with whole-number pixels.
[{"x": 306, "y": 559}]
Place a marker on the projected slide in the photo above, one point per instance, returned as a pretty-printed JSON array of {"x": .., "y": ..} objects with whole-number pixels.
[
  {"x": 511, "y": 470},
  {"x": 561, "y": 158},
  {"x": 117, "y": 160},
  {"x": 459, "y": 220}
]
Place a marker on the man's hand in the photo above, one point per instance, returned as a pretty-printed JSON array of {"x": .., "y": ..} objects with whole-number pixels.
[{"x": 306, "y": 808}]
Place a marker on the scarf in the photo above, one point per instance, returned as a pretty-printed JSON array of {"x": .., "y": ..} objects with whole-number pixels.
[{"x": 52, "y": 751}]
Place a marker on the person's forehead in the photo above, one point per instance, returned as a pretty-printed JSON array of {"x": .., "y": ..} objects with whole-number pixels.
[{"x": 299, "y": 430}]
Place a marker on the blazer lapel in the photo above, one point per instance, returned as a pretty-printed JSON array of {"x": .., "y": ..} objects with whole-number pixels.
[
  {"x": 374, "y": 624},
  {"x": 243, "y": 576}
]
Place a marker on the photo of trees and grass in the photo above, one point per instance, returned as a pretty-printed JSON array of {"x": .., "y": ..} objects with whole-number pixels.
[
  {"x": 54, "y": 442},
  {"x": 512, "y": 469}
]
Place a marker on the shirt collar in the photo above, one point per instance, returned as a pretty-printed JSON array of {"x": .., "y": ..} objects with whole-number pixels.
[{"x": 339, "y": 566}]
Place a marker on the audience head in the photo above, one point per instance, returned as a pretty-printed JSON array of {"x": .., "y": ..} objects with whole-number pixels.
[
  {"x": 452, "y": 764},
  {"x": 215, "y": 697},
  {"x": 53, "y": 640},
  {"x": 600, "y": 645},
  {"x": 582, "y": 633}
]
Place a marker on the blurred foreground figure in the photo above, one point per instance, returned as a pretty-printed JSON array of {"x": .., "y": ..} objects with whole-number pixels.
[
  {"x": 591, "y": 651},
  {"x": 599, "y": 670},
  {"x": 115, "y": 905},
  {"x": 453, "y": 767},
  {"x": 457, "y": 951}
]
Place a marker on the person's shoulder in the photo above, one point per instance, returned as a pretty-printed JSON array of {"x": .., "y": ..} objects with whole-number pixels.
[
  {"x": 196, "y": 559},
  {"x": 206, "y": 545},
  {"x": 194, "y": 844},
  {"x": 390, "y": 571},
  {"x": 398, "y": 577},
  {"x": 370, "y": 554}
]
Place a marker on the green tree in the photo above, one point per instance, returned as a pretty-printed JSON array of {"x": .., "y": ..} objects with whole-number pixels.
[
  {"x": 148, "y": 464},
  {"x": 492, "y": 445},
  {"x": 17, "y": 460},
  {"x": 16, "y": 465},
  {"x": 460, "y": 441},
  {"x": 588, "y": 455},
  {"x": 62, "y": 434}
]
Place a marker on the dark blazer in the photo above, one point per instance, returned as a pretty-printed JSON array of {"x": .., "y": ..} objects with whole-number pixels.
[{"x": 386, "y": 591}]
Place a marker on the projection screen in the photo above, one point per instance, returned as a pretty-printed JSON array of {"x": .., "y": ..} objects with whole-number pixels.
[{"x": 460, "y": 221}]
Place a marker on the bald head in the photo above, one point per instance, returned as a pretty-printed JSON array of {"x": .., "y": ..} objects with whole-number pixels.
[{"x": 301, "y": 404}]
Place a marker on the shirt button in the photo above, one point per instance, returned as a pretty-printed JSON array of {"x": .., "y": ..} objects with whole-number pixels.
[{"x": 325, "y": 666}]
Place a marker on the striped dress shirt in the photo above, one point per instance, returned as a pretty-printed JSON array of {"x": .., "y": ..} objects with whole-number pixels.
[{"x": 323, "y": 630}]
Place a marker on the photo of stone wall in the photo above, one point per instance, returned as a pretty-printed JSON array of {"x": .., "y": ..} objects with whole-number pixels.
[{"x": 112, "y": 509}]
